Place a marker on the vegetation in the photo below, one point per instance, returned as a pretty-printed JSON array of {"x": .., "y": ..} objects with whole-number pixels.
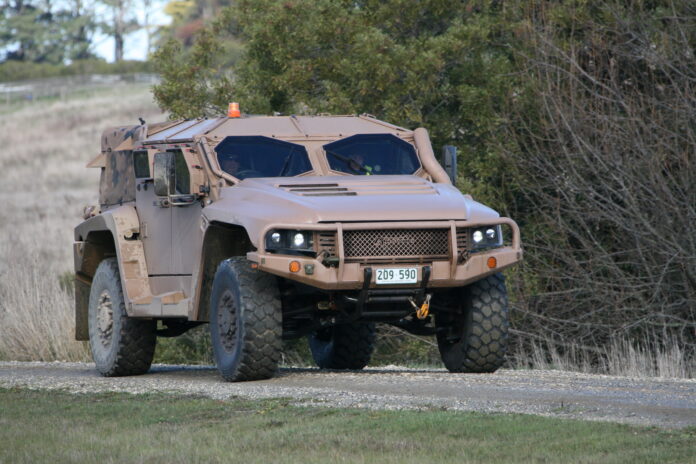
[
  {"x": 44, "y": 32},
  {"x": 13, "y": 70},
  {"x": 575, "y": 118},
  {"x": 159, "y": 428},
  {"x": 33, "y": 31},
  {"x": 36, "y": 307},
  {"x": 44, "y": 187}
]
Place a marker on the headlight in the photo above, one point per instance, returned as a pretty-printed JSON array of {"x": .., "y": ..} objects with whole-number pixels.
[
  {"x": 486, "y": 237},
  {"x": 298, "y": 241},
  {"x": 290, "y": 242}
]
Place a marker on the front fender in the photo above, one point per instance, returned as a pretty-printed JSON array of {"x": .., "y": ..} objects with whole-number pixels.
[{"x": 123, "y": 225}]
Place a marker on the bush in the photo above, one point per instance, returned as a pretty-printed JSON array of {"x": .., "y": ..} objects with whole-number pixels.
[
  {"x": 607, "y": 128},
  {"x": 577, "y": 119}
]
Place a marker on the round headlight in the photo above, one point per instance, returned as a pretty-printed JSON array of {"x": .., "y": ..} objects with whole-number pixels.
[
  {"x": 298, "y": 240},
  {"x": 275, "y": 237},
  {"x": 490, "y": 234},
  {"x": 478, "y": 236}
]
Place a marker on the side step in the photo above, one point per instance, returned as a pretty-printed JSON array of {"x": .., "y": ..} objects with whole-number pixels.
[{"x": 171, "y": 304}]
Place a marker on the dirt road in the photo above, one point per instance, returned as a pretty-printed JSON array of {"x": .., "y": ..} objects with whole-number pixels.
[{"x": 667, "y": 403}]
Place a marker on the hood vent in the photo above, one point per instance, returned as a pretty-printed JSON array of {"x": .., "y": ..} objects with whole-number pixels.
[
  {"x": 359, "y": 188},
  {"x": 318, "y": 190}
]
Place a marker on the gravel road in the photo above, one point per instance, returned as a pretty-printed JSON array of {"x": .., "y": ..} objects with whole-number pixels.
[{"x": 666, "y": 403}]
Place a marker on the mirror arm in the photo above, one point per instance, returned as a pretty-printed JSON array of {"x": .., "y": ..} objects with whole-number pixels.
[{"x": 449, "y": 162}]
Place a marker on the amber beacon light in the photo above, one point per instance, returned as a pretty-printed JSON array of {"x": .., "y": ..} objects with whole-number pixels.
[{"x": 233, "y": 110}]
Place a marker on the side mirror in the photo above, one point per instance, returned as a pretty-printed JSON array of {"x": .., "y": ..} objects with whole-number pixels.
[
  {"x": 449, "y": 162},
  {"x": 173, "y": 179},
  {"x": 164, "y": 174}
]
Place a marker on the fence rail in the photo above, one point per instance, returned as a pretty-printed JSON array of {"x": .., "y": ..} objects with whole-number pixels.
[{"x": 62, "y": 87}]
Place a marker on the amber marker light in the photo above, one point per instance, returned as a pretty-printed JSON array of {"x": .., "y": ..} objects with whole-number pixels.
[
  {"x": 254, "y": 265},
  {"x": 492, "y": 262},
  {"x": 233, "y": 110},
  {"x": 295, "y": 266}
]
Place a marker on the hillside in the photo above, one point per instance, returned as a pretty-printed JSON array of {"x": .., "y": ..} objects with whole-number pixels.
[{"x": 43, "y": 189}]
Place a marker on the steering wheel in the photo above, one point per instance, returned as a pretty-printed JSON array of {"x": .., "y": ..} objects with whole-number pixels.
[{"x": 247, "y": 173}]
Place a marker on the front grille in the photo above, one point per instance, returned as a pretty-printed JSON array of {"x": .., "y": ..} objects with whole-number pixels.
[
  {"x": 327, "y": 243},
  {"x": 462, "y": 245},
  {"x": 396, "y": 245}
]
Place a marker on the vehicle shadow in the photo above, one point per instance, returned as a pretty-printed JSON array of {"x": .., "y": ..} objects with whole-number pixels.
[
  {"x": 288, "y": 371},
  {"x": 291, "y": 371}
]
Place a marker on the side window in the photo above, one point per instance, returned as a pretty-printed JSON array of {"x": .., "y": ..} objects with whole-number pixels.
[
  {"x": 141, "y": 164},
  {"x": 163, "y": 174},
  {"x": 182, "y": 183}
]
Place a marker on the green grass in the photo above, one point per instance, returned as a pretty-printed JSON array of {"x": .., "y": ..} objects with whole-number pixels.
[{"x": 59, "y": 427}]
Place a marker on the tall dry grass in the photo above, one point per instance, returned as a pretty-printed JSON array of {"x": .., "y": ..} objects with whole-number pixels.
[
  {"x": 620, "y": 357},
  {"x": 43, "y": 187}
]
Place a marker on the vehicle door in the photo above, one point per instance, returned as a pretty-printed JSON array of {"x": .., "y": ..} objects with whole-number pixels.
[
  {"x": 155, "y": 215},
  {"x": 186, "y": 214}
]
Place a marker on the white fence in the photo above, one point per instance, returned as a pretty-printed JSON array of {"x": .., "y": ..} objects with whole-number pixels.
[{"x": 61, "y": 87}]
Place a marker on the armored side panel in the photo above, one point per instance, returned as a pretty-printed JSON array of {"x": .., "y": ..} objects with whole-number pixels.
[{"x": 117, "y": 185}]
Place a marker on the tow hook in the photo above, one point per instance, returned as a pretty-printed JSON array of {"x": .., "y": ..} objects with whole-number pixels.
[{"x": 422, "y": 311}]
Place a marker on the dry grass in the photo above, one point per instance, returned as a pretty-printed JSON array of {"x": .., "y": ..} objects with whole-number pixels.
[
  {"x": 620, "y": 357},
  {"x": 43, "y": 187}
]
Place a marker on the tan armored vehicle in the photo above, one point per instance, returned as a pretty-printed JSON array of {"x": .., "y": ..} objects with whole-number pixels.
[{"x": 272, "y": 228}]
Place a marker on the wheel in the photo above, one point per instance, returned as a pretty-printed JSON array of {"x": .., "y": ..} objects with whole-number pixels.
[
  {"x": 245, "y": 322},
  {"x": 475, "y": 338},
  {"x": 120, "y": 345},
  {"x": 347, "y": 346}
]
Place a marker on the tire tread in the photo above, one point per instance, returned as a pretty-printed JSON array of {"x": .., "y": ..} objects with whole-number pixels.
[
  {"x": 261, "y": 309},
  {"x": 135, "y": 347},
  {"x": 483, "y": 344}
]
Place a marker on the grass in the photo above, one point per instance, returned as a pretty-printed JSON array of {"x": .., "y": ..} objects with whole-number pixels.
[
  {"x": 44, "y": 186},
  {"x": 37, "y": 426},
  {"x": 619, "y": 357}
]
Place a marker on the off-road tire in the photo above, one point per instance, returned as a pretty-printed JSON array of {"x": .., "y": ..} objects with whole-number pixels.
[
  {"x": 246, "y": 323},
  {"x": 480, "y": 328},
  {"x": 120, "y": 345},
  {"x": 346, "y": 346}
]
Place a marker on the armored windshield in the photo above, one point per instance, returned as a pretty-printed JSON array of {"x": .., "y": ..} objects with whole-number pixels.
[
  {"x": 371, "y": 154},
  {"x": 255, "y": 156}
]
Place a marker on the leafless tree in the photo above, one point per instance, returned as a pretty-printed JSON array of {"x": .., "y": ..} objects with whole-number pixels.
[{"x": 606, "y": 157}]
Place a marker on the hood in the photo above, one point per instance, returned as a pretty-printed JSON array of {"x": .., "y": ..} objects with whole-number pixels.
[{"x": 314, "y": 199}]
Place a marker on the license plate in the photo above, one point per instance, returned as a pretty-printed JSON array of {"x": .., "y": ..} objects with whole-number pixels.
[{"x": 400, "y": 275}]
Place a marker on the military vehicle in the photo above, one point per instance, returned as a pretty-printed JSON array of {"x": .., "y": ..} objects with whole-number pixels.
[{"x": 279, "y": 227}]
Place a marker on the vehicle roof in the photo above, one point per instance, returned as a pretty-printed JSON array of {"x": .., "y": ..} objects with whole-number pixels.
[{"x": 274, "y": 126}]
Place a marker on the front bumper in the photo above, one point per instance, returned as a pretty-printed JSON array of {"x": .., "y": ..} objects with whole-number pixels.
[{"x": 453, "y": 272}]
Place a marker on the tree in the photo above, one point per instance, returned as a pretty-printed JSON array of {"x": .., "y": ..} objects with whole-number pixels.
[
  {"x": 605, "y": 155},
  {"x": 119, "y": 22},
  {"x": 42, "y": 32},
  {"x": 438, "y": 64},
  {"x": 576, "y": 118}
]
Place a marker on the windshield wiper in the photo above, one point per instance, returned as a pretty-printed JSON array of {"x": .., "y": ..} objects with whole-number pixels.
[
  {"x": 286, "y": 164},
  {"x": 352, "y": 164}
]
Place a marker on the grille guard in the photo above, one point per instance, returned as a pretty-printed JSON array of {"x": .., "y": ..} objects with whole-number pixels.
[{"x": 338, "y": 272}]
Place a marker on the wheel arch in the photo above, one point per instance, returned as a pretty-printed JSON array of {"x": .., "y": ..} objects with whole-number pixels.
[
  {"x": 114, "y": 233},
  {"x": 220, "y": 241}
]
